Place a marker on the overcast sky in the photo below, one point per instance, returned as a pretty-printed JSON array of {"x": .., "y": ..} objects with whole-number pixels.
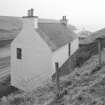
[{"x": 88, "y": 13}]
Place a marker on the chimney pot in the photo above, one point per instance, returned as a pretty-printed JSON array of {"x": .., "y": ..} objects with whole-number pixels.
[
  {"x": 30, "y": 12},
  {"x": 64, "y": 20}
]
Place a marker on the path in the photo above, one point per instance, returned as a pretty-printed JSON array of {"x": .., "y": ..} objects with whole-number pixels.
[{"x": 4, "y": 62}]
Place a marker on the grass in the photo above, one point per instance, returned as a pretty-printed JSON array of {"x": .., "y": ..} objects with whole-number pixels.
[{"x": 82, "y": 87}]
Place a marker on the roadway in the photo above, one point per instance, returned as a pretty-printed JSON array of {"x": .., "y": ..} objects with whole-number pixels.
[{"x": 4, "y": 62}]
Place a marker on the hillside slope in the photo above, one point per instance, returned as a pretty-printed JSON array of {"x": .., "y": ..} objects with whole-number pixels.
[
  {"x": 9, "y": 27},
  {"x": 84, "y": 87}
]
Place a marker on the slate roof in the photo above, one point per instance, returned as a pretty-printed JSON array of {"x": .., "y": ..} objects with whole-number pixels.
[{"x": 55, "y": 34}]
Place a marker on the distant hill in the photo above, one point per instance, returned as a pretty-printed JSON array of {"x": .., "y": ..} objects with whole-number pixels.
[
  {"x": 98, "y": 34},
  {"x": 9, "y": 27},
  {"x": 93, "y": 36}
]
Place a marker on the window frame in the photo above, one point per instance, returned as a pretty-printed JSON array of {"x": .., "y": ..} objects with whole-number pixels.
[{"x": 19, "y": 53}]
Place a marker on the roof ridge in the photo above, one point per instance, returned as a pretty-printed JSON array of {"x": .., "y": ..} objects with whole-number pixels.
[{"x": 40, "y": 20}]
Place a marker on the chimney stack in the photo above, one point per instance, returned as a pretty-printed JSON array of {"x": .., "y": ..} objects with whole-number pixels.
[
  {"x": 31, "y": 12},
  {"x": 28, "y": 13},
  {"x": 64, "y": 20},
  {"x": 31, "y": 19}
]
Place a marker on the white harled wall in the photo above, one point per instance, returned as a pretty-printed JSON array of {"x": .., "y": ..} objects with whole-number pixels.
[
  {"x": 35, "y": 66},
  {"x": 74, "y": 46},
  {"x": 60, "y": 56}
]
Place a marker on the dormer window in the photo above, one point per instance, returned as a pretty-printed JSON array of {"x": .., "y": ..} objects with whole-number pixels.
[{"x": 19, "y": 53}]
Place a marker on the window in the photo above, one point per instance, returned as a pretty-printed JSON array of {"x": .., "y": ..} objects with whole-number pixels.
[{"x": 19, "y": 53}]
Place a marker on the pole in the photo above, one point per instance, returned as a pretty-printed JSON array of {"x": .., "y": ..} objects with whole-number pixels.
[
  {"x": 57, "y": 79},
  {"x": 69, "y": 49},
  {"x": 99, "y": 51}
]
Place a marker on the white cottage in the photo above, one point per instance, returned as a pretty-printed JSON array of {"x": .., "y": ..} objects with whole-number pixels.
[{"x": 34, "y": 52}]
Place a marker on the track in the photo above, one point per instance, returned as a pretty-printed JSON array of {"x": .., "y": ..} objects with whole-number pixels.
[
  {"x": 4, "y": 62},
  {"x": 5, "y": 72}
]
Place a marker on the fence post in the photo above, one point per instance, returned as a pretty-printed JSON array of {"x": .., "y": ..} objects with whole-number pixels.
[
  {"x": 57, "y": 79},
  {"x": 99, "y": 51},
  {"x": 69, "y": 47}
]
